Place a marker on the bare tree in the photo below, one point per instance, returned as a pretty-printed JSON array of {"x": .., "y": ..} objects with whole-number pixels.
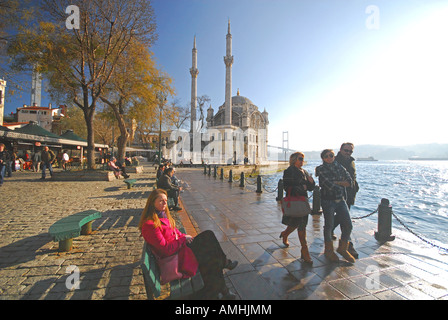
[{"x": 79, "y": 63}]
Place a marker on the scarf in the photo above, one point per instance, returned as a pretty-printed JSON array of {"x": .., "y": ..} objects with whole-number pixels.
[{"x": 161, "y": 214}]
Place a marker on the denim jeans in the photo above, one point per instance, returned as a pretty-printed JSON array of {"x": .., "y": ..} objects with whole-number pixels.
[
  {"x": 333, "y": 209},
  {"x": 2, "y": 173},
  {"x": 8, "y": 169},
  {"x": 46, "y": 165}
]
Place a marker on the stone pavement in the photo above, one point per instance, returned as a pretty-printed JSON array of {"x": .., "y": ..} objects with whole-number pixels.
[
  {"x": 248, "y": 226},
  {"x": 246, "y": 223}
]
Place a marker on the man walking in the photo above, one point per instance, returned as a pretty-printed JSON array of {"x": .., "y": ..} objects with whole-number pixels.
[
  {"x": 48, "y": 158},
  {"x": 3, "y": 162},
  {"x": 344, "y": 158},
  {"x": 37, "y": 159}
]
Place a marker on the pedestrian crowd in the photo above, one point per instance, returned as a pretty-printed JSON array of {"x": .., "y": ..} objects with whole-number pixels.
[{"x": 338, "y": 188}]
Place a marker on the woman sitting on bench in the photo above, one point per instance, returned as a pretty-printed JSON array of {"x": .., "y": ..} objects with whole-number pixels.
[
  {"x": 204, "y": 251},
  {"x": 117, "y": 168}
]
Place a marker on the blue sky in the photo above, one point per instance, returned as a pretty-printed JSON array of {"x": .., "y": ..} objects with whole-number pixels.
[{"x": 316, "y": 67}]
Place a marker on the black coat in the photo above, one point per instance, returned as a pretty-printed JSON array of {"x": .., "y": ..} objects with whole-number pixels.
[
  {"x": 297, "y": 181},
  {"x": 349, "y": 165}
]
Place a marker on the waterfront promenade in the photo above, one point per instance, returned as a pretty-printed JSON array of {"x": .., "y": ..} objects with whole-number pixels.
[{"x": 246, "y": 223}]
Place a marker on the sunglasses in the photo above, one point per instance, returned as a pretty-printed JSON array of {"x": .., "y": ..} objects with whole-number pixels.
[
  {"x": 348, "y": 151},
  {"x": 300, "y": 158},
  {"x": 329, "y": 155}
]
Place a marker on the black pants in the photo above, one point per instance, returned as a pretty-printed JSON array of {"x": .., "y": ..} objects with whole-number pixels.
[
  {"x": 211, "y": 261},
  {"x": 175, "y": 195}
]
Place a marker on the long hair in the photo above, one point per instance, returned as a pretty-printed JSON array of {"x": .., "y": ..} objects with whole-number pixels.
[{"x": 149, "y": 213}]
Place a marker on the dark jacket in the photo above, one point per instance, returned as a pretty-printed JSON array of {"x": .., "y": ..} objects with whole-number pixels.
[
  {"x": 297, "y": 181},
  {"x": 4, "y": 156},
  {"x": 48, "y": 156},
  {"x": 165, "y": 183},
  {"x": 328, "y": 174},
  {"x": 349, "y": 165}
]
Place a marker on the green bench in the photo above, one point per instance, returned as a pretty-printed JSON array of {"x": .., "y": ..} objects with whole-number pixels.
[
  {"x": 151, "y": 275},
  {"x": 130, "y": 182},
  {"x": 71, "y": 227}
]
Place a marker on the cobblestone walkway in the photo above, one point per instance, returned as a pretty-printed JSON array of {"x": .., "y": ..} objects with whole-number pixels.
[{"x": 108, "y": 260}]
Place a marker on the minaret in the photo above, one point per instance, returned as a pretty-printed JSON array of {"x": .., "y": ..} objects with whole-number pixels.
[
  {"x": 194, "y": 81},
  {"x": 36, "y": 88},
  {"x": 228, "y": 60},
  {"x": 2, "y": 100}
]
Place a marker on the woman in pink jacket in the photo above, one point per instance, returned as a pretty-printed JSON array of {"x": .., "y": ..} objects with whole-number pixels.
[{"x": 203, "y": 251}]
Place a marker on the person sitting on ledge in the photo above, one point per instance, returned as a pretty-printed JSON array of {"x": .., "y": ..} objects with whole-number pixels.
[
  {"x": 166, "y": 183},
  {"x": 158, "y": 228},
  {"x": 117, "y": 168}
]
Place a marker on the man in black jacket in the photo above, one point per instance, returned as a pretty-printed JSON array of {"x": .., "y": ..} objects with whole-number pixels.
[
  {"x": 4, "y": 159},
  {"x": 172, "y": 190},
  {"x": 48, "y": 158},
  {"x": 344, "y": 158}
]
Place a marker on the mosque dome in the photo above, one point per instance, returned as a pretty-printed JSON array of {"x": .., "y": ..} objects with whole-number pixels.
[{"x": 241, "y": 100}]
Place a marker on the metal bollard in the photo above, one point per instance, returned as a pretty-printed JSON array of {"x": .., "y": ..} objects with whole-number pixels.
[
  {"x": 279, "y": 190},
  {"x": 205, "y": 169},
  {"x": 242, "y": 180},
  {"x": 209, "y": 169},
  {"x": 214, "y": 172},
  {"x": 222, "y": 174},
  {"x": 259, "y": 184},
  {"x": 384, "y": 232},
  {"x": 230, "y": 176},
  {"x": 316, "y": 201}
]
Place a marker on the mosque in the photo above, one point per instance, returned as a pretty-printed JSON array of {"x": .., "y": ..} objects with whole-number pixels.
[{"x": 238, "y": 131}]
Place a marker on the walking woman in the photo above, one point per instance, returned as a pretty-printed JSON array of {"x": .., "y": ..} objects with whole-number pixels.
[
  {"x": 333, "y": 179},
  {"x": 296, "y": 182},
  {"x": 204, "y": 251}
]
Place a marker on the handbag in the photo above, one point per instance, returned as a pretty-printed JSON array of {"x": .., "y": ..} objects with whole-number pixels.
[
  {"x": 169, "y": 268},
  {"x": 295, "y": 206}
]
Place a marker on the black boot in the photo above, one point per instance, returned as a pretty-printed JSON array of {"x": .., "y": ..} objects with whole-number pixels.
[{"x": 352, "y": 250}]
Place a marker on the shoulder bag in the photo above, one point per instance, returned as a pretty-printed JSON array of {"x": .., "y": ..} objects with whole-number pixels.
[
  {"x": 295, "y": 206},
  {"x": 168, "y": 267}
]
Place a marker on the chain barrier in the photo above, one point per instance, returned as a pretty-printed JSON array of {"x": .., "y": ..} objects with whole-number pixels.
[
  {"x": 418, "y": 236},
  {"x": 250, "y": 183},
  {"x": 407, "y": 228},
  {"x": 270, "y": 190},
  {"x": 368, "y": 215}
]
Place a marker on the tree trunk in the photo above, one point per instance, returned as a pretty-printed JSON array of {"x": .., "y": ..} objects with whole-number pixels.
[
  {"x": 122, "y": 139},
  {"x": 90, "y": 139}
]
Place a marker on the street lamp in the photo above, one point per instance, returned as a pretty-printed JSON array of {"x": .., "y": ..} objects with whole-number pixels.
[{"x": 162, "y": 101}]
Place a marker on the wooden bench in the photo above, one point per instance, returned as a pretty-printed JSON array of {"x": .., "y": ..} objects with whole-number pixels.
[
  {"x": 151, "y": 275},
  {"x": 71, "y": 227},
  {"x": 130, "y": 182}
]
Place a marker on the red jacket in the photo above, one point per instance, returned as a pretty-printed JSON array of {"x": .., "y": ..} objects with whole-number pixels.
[{"x": 166, "y": 241}]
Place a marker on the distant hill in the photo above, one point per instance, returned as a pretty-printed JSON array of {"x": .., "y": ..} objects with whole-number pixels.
[{"x": 382, "y": 152}]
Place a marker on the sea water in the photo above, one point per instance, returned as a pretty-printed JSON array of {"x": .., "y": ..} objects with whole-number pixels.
[{"x": 417, "y": 191}]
